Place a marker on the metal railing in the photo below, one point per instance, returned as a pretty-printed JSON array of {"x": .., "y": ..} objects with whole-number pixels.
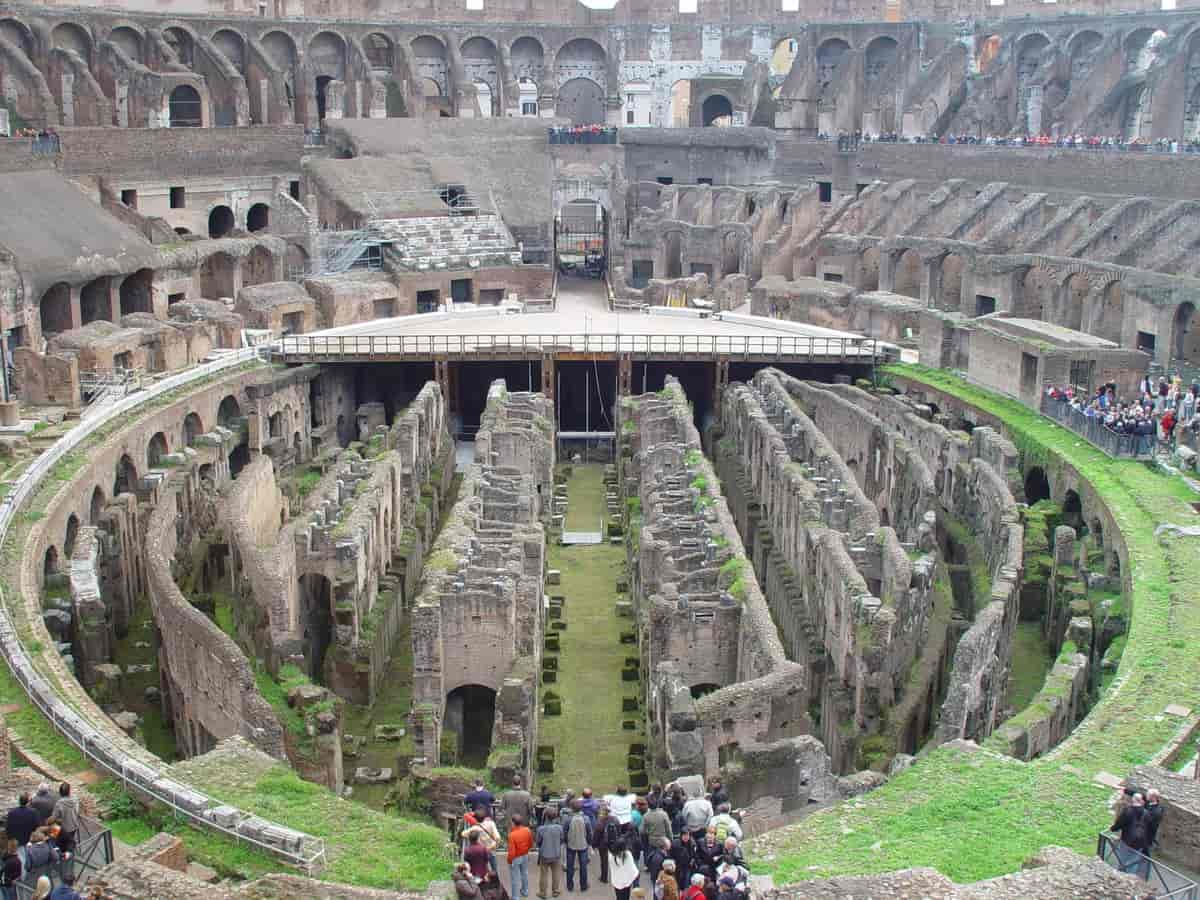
[
  {"x": 70, "y": 723},
  {"x": 784, "y": 347},
  {"x": 1164, "y": 882},
  {"x": 93, "y": 851},
  {"x": 1093, "y": 429}
]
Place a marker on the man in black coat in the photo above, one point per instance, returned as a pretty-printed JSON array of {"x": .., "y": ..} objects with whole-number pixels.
[
  {"x": 683, "y": 851},
  {"x": 21, "y": 821}
]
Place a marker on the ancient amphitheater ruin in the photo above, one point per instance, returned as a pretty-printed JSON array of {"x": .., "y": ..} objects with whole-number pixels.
[{"x": 396, "y": 398}]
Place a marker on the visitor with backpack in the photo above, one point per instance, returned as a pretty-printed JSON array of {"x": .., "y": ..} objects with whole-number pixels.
[
  {"x": 579, "y": 844},
  {"x": 665, "y": 886},
  {"x": 658, "y": 851},
  {"x": 66, "y": 815},
  {"x": 725, "y": 823},
  {"x": 550, "y": 851},
  {"x": 656, "y": 823}
]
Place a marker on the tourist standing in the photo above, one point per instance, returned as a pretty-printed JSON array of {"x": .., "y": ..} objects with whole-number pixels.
[
  {"x": 481, "y": 796},
  {"x": 696, "y": 813},
  {"x": 465, "y": 886},
  {"x": 590, "y": 806},
  {"x": 21, "y": 821},
  {"x": 1133, "y": 825},
  {"x": 476, "y": 855},
  {"x": 43, "y": 802},
  {"x": 604, "y": 837},
  {"x": 516, "y": 802},
  {"x": 620, "y": 805},
  {"x": 623, "y": 870},
  {"x": 656, "y": 823},
  {"x": 550, "y": 848},
  {"x": 666, "y": 887},
  {"x": 66, "y": 814},
  {"x": 725, "y": 823},
  {"x": 10, "y": 873},
  {"x": 579, "y": 844},
  {"x": 1154, "y": 814},
  {"x": 520, "y": 842}
]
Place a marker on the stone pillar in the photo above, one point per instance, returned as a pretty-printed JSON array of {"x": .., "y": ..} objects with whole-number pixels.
[
  {"x": 1064, "y": 548},
  {"x": 76, "y": 306},
  {"x": 548, "y": 379},
  {"x": 624, "y": 374},
  {"x": 10, "y": 413}
]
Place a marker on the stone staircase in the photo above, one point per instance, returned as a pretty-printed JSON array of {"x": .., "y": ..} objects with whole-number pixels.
[{"x": 450, "y": 242}]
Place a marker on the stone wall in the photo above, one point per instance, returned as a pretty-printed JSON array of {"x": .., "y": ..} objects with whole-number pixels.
[
  {"x": 1179, "y": 833},
  {"x": 691, "y": 576},
  {"x": 478, "y": 617}
]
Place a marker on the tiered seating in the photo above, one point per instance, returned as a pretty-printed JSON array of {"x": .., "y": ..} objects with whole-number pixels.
[{"x": 450, "y": 242}]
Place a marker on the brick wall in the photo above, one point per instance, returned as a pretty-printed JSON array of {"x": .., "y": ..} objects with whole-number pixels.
[{"x": 182, "y": 152}]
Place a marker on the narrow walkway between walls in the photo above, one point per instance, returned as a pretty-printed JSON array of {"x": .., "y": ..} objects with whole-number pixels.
[{"x": 590, "y": 739}]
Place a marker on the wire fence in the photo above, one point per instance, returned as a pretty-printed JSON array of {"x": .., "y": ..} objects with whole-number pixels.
[
  {"x": 1164, "y": 882},
  {"x": 1093, "y": 429}
]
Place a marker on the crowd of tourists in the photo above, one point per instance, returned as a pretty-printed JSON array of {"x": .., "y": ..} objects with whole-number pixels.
[
  {"x": 686, "y": 847},
  {"x": 1137, "y": 824},
  {"x": 1160, "y": 413},
  {"x": 851, "y": 140},
  {"x": 40, "y": 834},
  {"x": 583, "y": 134}
]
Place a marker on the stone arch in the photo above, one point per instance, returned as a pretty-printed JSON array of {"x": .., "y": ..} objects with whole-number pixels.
[
  {"x": 96, "y": 506},
  {"x": 70, "y": 536},
  {"x": 184, "y": 107},
  {"x": 1185, "y": 332},
  {"x": 1075, "y": 296},
  {"x": 1037, "y": 486},
  {"x": 716, "y": 110},
  {"x": 156, "y": 448},
  {"x": 681, "y": 103},
  {"x": 731, "y": 253},
  {"x": 481, "y": 67},
  {"x": 471, "y": 715},
  {"x": 316, "y": 622},
  {"x": 829, "y": 57},
  {"x": 258, "y": 267},
  {"x": 182, "y": 44},
  {"x": 380, "y": 52},
  {"x": 1139, "y": 48},
  {"x": 703, "y": 689},
  {"x": 1081, "y": 51},
  {"x": 987, "y": 48},
  {"x": 868, "y": 270},
  {"x": 55, "y": 309},
  {"x": 17, "y": 33},
  {"x": 1108, "y": 313},
  {"x": 280, "y": 48},
  {"x": 907, "y": 275},
  {"x": 783, "y": 56},
  {"x": 430, "y": 63},
  {"x": 220, "y": 221},
  {"x": 125, "y": 477},
  {"x": 129, "y": 39},
  {"x": 879, "y": 56},
  {"x": 50, "y": 561},
  {"x": 582, "y": 101},
  {"x": 137, "y": 294},
  {"x": 673, "y": 253},
  {"x": 232, "y": 46},
  {"x": 69, "y": 36},
  {"x": 1037, "y": 294},
  {"x": 218, "y": 276},
  {"x": 95, "y": 302},
  {"x": 1072, "y": 512},
  {"x": 228, "y": 410},
  {"x": 527, "y": 58},
  {"x": 952, "y": 277},
  {"x": 193, "y": 427},
  {"x": 326, "y": 54},
  {"x": 258, "y": 217}
]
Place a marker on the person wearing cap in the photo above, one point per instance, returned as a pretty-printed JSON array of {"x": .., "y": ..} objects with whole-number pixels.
[{"x": 666, "y": 887}]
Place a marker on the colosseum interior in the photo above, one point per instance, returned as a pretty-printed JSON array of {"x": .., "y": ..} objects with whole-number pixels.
[{"x": 309, "y": 525}]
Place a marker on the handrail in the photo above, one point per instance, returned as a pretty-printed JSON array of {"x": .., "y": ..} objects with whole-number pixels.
[
  {"x": 790, "y": 347},
  {"x": 1095, "y": 432},
  {"x": 154, "y": 782},
  {"x": 1165, "y": 882}
]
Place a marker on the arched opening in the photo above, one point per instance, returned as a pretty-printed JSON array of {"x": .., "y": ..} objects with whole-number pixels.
[
  {"x": 192, "y": 429},
  {"x": 431, "y": 67},
  {"x": 275, "y": 425},
  {"x": 218, "y": 276},
  {"x": 581, "y": 237},
  {"x": 69, "y": 36},
  {"x": 868, "y": 270},
  {"x": 96, "y": 507},
  {"x": 136, "y": 293},
  {"x": 717, "y": 111},
  {"x": 258, "y": 218},
  {"x": 471, "y": 716},
  {"x": 987, "y": 49},
  {"x": 731, "y": 253},
  {"x": 238, "y": 460},
  {"x": 156, "y": 449},
  {"x": 258, "y": 267},
  {"x": 880, "y": 55},
  {"x": 1037, "y": 290},
  {"x": 181, "y": 44},
  {"x": 184, "y": 107},
  {"x": 281, "y": 49},
  {"x": 72, "y": 534},
  {"x": 380, "y": 53},
  {"x": 18, "y": 34},
  {"x": 582, "y": 101},
  {"x": 1082, "y": 52},
  {"x": 952, "y": 273},
  {"x": 1109, "y": 319},
  {"x": 1074, "y": 300},
  {"x": 681, "y": 103},
  {"x": 316, "y": 622},
  {"x": 229, "y": 411},
  {"x": 1037, "y": 486},
  {"x": 125, "y": 480},
  {"x": 55, "y": 309},
  {"x": 528, "y": 61},
  {"x": 1187, "y": 333},
  {"x": 232, "y": 47},
  {"x": 50, "y": 561},
  {"x": 673, "y": 250},
  {"x": 782, "y": 58},
  {"x": 1072, "y": 512},
  {"x": 1030, "y": 51},
  {"x": 322, "y": 92},
  {"x": 702, "y": 690},
  {"x": 829, "y": 57},
  {"x": 326, "y": 58},
  {"x": 907, "y": 277},
  {"x": 479, "y": 67},
  {"x": 220, "y": 221},
  {"x": 95, "y": 301},
  {"x": 129, "y": 41}
]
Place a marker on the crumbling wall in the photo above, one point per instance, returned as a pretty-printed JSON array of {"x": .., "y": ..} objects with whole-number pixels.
[{"x": 478, "y": 617}]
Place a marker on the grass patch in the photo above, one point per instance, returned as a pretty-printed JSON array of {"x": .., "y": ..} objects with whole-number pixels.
[{"x": 1031, "y": 663}]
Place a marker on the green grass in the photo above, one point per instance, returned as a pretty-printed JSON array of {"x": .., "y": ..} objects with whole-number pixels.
[
  {"x": 1031, "y": 662},
  {"x": 586, "y": 508},
  {"x": 590, "y": 745},
  {"x": 978, "y": 816}
]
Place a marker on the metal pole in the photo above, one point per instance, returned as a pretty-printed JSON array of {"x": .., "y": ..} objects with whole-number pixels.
[{"x": 587, "y": 400}]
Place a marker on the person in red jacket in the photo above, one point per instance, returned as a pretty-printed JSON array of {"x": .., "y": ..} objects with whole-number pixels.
[{"x": 520, "y": 842}]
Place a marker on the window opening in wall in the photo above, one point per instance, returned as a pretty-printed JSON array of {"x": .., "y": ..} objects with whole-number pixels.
[
  {"x": 791, "y": 6},
  {"x": 1029, "y": 367},
  {"x": 984, "y": 305},
  {"x": 704, "y": 181},
  {"x": 475, "y": 4},
  {"x": 428, "y": 301},
  {"x": 1145, "y": 341},
  {"x": 460, "y": 290},
  {"x": 859, "y": 188},
  {"x": 1168, "y": 5},
  {"x": 293, "y": 323},
  {"x": 384, "y": 309},
  {"x": 16, "y": 336},
  {"x": 688, "y": 6},
  {"x": 129, "y": 198},
  {"x": 825, "y": 191},
  {"x": 529, "y": 109},
  {"x": 175, "y": 298},
  {"x": 178, "y": 198},
  {"x": 834, "y": 277},
  {"x": 122, "y": 360},
  {"x": 665, "y": 179},
  {"x": 294, "y": 189},
  {"x": 629, "y": 117}
]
